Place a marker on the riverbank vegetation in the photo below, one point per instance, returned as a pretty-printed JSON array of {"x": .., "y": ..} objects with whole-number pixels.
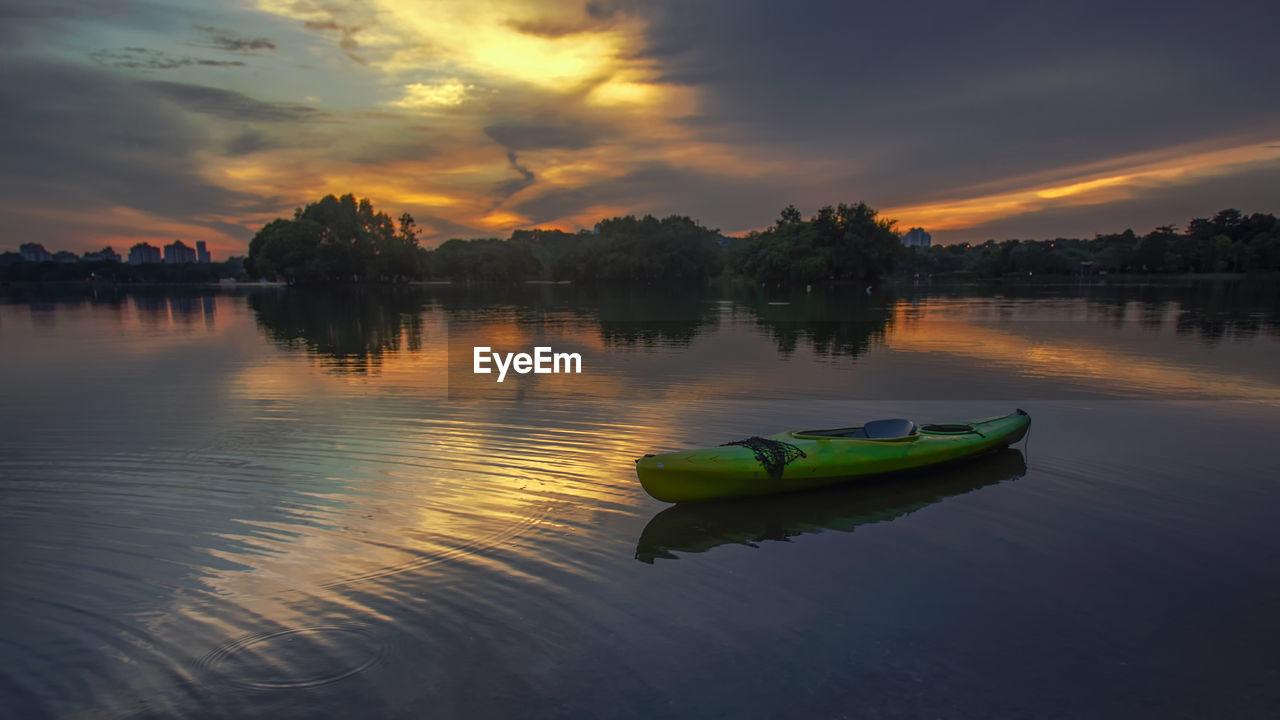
[
  {"x": 337, "y": 240},
  {"x": 1229, "y": 242},
  {"x": 344, "y": 240},
  {"x": 14, "y": 270},
  {"x": 340, "y": 239},
  {"x": 845, "y": 243}
]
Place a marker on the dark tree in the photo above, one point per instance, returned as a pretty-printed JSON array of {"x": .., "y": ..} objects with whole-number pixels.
[
  {"x": 337, "y": 240},
  {"x": 847, "y": 242}
]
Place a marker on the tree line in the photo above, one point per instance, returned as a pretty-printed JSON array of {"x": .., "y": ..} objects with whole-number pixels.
[
  {"x": 344, "y": 240},
  {"x": 1228, "y": 242},
  {"x": 14, "y": 269}
]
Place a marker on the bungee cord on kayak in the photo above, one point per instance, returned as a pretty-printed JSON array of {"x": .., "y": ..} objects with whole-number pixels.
[{"x": 772, "y": 454}]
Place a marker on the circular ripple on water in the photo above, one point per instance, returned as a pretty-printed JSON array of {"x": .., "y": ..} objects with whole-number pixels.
[{"x": 305, "y": 657}]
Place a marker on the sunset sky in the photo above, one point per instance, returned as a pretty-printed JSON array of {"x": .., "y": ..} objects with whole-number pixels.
[{"x": 123, "y": 121}]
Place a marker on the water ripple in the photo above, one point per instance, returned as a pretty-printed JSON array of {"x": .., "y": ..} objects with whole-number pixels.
[{"x": 304, "y": 657}]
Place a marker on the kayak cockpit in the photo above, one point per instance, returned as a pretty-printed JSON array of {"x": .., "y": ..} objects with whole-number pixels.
[{"x": 891, "y": 429}]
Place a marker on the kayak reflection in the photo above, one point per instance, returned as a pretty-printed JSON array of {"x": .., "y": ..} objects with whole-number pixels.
[{"x": 699, "y": 527}]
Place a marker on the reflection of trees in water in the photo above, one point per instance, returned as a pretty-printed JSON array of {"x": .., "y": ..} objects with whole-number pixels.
[
  {"x": 630, "y": 317},
  {"x": 66, "y": 295},
  {"x": 1209, "y": 309},
  {"x": 653, "y": 319},
  {"x": 832, "y": 323},
  {"x": 1232, "y": 310},
  {"x": 356, "y": 326},
  {"x": 353, "y": 327},
  {"x": 152, "y": 306}
]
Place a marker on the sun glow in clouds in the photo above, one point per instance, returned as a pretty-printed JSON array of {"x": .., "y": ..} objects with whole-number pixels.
[
  {"x": 585, "y": 103},
  {"x": 419, "y": 96},
  {"x": 543, "y": 44}
]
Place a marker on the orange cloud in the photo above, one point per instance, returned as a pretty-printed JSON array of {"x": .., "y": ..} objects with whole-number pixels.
[{"x": 1086, "y": 186}]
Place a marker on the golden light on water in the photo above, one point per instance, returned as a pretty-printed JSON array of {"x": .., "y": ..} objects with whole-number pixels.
[
  {"x": 481, "y": 485},
  {"x": 437, "y": 489}
]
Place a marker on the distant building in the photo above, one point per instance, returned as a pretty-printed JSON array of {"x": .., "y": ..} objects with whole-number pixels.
[
  {"x": 202, "y": 252},
  {"x": 917, "y": 237},
  {"x": 106, "y": 254},
  {"x": 143, "y": 253},
  {"x": 178, "y": 253},
  {"x": 34, "y": 252},
  {"x": 64, "y": 256}
]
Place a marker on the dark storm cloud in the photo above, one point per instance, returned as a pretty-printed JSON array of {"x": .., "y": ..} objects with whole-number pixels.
[
  {"x": 607, "y": 9},
  {"x": 230, "y": 42},
  {"x": 131, "y": 149},
  {"x": 19, "y": 19},
  {"x": 230, "y": 229},
  {"x": 25, "y": 22},
  {"x": 348, "y": 32},
  {"x": 543, "y": 134},
  {"x": 444, "y": 229},
  {"x": 554, "y": 28},
  {"x": 247, "y": 143},
  {"x": 507, "y": 188},
  {"x": 35, "y": 11},
  {"x": 229, "y": 104},
  {"x": 347, "y": 35},
  {"x": 145, "y": 59},
  {"x": 389, "y": 143},
  {"x": 925, "y": 98}
]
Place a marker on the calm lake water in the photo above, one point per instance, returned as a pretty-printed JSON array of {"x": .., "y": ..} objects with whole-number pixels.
[{"x": 270, "y": 503}]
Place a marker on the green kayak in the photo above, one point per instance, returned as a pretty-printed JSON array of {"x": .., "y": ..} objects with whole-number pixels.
[{"x": 805, "y": 459}]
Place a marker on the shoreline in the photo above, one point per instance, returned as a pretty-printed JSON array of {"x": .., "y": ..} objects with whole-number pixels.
[{"x": 894, "y": 282}]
